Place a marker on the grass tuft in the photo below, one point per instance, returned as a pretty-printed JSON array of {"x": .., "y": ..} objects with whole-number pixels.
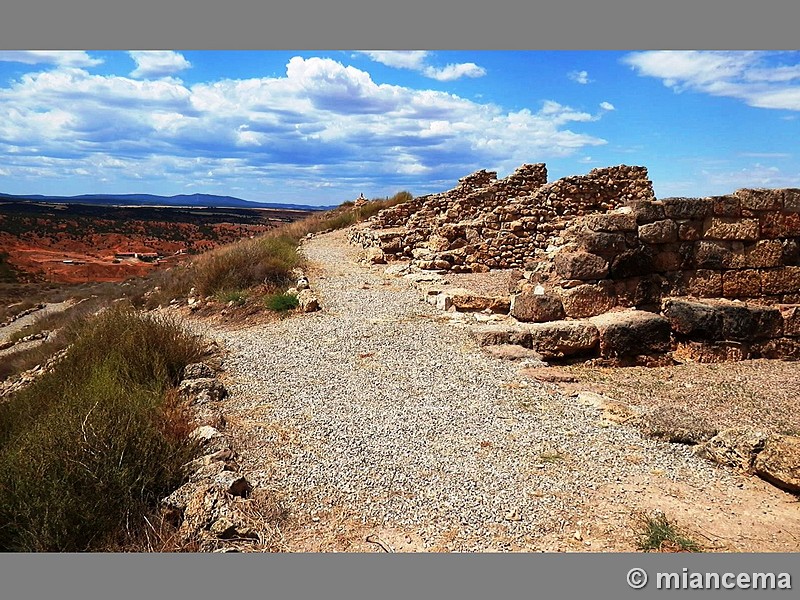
[
  {"x": 281, "y": 302},
  {"x": 656, "y": 532}
]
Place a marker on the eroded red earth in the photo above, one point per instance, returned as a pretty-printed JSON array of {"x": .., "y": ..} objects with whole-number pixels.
[{"x": 84, "y": 243}]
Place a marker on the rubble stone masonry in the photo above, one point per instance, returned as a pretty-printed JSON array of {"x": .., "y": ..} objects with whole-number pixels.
[{"x": 723, "y": 270}]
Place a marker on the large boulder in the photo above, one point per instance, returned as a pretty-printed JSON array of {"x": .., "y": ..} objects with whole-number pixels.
[{"x": 779, "y": 462}]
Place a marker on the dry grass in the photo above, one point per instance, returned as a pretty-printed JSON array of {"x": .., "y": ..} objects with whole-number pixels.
[
  {"x": 694, "y": 400},
  {"x": 90, "y": 447}
]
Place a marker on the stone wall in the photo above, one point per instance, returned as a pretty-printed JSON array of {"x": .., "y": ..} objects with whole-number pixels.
[
  {"x": 741, "y": 246},
  {"x": 488, "y": 223}
]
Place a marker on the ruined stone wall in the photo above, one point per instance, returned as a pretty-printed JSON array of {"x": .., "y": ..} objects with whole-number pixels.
[
  {"x": 741, "y": 246},
  {"x": 486, "y": 223}
]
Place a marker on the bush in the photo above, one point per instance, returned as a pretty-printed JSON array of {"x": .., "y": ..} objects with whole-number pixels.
[
  {"x": 267, "y": 260},
  {"x": 281, "y": 302},
  {"x": 89, "y": 448}
]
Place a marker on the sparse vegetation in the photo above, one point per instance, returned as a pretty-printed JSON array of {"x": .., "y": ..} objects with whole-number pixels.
[
  {"x": 656, "y": 532},
  {"x": 88, "y": 449},
  {"x": 281, "y": 302},
  {"x": 551, "y": 457},
  {"x": 238, "y": 297}
]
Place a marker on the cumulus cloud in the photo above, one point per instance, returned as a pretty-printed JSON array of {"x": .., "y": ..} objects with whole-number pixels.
[
  {"x": 750, "y": 76},
  {"x": 607, "y": 106},
  {"x": 63, "y": 58},
  {"x": 320, "y": 121},
  {"x": 454, "y": 71},
  {"x": 157, "y": 63},
  {"x": 400, "y": 59},
  {"x": 417, "y": 60},
  {"x": 581, "y": 77}
]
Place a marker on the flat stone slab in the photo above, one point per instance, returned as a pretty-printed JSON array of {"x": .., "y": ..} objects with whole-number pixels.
[
  {"x": 632, "y": 333},
  {"x": 555, "y": 339}
]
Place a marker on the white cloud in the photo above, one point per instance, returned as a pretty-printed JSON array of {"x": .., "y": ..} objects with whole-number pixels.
[
  {"x": 157, "y": 63},
  {"x": 454, "y": 71},
  {"x": 745, "y": 75},
  {"x": 63, "y": 58},
  {"x": 400, "y": 59},
  {"x": 607, "y": 106},
  {"x": 581, "y": 77},
  {"x": 751, "y": 176},
  {"x": 417, "y": 60},
  {"x": 320, "y": 121}
]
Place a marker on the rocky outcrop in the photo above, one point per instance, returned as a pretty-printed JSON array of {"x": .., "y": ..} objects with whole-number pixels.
[{"x": 775, "y": 458}]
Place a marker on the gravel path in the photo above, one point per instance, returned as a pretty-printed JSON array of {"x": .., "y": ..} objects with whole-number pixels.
[{"x": 377, "y": 412}]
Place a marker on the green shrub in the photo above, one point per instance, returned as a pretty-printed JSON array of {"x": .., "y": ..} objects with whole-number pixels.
[
  {"x": 281, "y": 302},
  {"x": 90, "y": 447}
]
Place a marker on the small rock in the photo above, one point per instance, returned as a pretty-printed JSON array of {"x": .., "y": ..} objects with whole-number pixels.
[
  {"x": 234, "y": 484},
  {"x": 197, "y": 371}
]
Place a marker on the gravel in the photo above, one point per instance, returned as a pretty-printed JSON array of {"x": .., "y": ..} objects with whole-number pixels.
[{"x": 379, "y": 405}]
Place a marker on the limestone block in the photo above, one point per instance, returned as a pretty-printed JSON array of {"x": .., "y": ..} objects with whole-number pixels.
[
  {"x": 731, "y": 228},
  {"x": 580, "y": 265},
  {"x": 659, "y": 232}
]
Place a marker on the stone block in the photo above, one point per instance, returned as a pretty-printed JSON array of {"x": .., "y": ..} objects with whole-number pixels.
[
  {"x": 465, "y": 300},
  {"x": 710, "y": 352},
  {"x": 744, "y": 283},
  {"x": 772, "y": 225},
  {"x": 580, "y": 265},
  {"x": 779, "y": 462},
  {"x": 791, "y": 200},
  {"x": 783, "y": 280},
  {"x": 690, "y": 230},
  {"x": 667, "y": 261},
  {"x": 632, "y": 263},
  {"x": 588, "y": 300},
  {"x": 693, "y": 319},
  {"x": 496, "y": 335},
  {"x": 712, "y": 255},
  {"x": 632, "y": 333},
  {"x": 536, "y": 308},
  {"x": 791, "y": 320},
  {"x": 745, "y": 323},
  {"x": 604, "y": 244},
  {"x": 703, "y": 283},
  {"x": 764, "y": 254},
  {"x": 647, "y": 211},
  {"x": 782, "y": 348},
  {"x": 559, "y": 339},
  {"x": 659, "y": 232},
  {"x": 760, "y": 199},
  {"x": 736, "y": 448},
  {"x": 726, "y": 206},
  {"x": 687, "y": 208},
  {"x": 731, "y": 228},
  {"x": 611, "y": 222}
]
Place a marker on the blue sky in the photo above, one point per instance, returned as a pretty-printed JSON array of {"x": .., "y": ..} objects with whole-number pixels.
[{"x": 322, "y": 127}]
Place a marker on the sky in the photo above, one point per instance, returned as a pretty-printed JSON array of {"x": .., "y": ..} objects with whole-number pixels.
[{"x": 320, "y": 128}]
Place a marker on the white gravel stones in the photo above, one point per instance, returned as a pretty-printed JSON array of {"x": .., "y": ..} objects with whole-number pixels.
[{"x": 401, "y": 417}]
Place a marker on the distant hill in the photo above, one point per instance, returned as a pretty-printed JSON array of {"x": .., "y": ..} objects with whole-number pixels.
[{"x": 200, "y": 200}]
